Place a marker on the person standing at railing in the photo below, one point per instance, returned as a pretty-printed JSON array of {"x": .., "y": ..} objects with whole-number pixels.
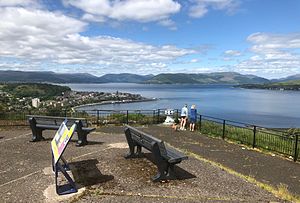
[
  {"x": 183, "y": 117},
  {"x": 193, "y": 117}
]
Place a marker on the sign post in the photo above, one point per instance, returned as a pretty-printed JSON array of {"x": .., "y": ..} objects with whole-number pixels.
[{"x": 58, "y": 146}]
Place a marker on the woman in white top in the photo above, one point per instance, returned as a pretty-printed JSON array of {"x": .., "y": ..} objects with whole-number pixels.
[{"x": 183, "y": 117}]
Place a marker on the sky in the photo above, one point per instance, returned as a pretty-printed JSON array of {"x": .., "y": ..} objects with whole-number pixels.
[{"x": 260, "y": 37}]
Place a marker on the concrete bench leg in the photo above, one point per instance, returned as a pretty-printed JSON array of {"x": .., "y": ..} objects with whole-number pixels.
[
  {"x": 36, "y": 132},
  {"x": 162, "y": 165},
  {"x": 82, "y": 139},
  {"x": 132, "y": 145},
  {"x": 37, "y": 135},
  {"x": 171, "y": 171}
]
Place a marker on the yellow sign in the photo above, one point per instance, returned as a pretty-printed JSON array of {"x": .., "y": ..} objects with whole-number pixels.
[{"x": 61, "y": 139}]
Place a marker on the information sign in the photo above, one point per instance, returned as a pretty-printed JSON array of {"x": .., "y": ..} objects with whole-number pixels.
[{"x": 61, "y": 139}]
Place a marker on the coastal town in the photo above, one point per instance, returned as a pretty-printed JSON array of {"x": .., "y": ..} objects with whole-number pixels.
[{"x": 65, "y": 100}]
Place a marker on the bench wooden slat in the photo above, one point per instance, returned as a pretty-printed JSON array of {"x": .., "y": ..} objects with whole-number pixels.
[
  {"x": 88, "y": 129},
  {"x": 175, "y": 155},
  {"x": 48, "y": 127}
]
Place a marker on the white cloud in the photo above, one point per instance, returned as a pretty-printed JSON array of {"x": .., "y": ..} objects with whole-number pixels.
[
  {"x": 93, "y": 18},
  {"x": 4, "y": 3},
  {"x": 198, "y": 10},
  {"x": 168, "y": 23},
  {"x": 232, "y": 53},
  {"x": 55, "y": 39},
  {"x": 194, "y": 60},
  {"x": 159, "y": 65},
  {"x": 201, "y": 7},
  {"x": 274, "y": 54},
  {"x": 136, "y": 10},
  {"x": 271, "y": 43}
]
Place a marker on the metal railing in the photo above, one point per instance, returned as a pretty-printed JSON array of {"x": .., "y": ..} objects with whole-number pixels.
[{"x": 279, "y": 141}]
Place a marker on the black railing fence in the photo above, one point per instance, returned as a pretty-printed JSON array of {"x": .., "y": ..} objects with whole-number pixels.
[{"x": 280, "y": 141}]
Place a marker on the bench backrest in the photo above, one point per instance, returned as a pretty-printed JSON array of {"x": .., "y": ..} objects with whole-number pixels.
[
  {"x": 49, "y": 120},
  {"x": 146, "y": 140}
]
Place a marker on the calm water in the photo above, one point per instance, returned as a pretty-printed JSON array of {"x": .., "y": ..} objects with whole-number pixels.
[{"x": 261, "y": 107}]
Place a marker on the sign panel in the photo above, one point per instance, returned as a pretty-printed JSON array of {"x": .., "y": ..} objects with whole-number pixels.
[{"x": 61, "y": 139}]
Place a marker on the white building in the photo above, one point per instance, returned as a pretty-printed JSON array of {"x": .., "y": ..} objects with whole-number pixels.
[{"x": 36, "y": 102}]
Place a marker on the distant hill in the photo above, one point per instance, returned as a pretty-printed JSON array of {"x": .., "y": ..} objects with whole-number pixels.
[
  {"x": 22, "y": 76},
  {"x": 209, "y": 78},
  {"x": 166, "y": 78},
  {"x": 125, "y": 78},
  {"x": 289, "y": 78},
  {"x": 288, "y": 85}
]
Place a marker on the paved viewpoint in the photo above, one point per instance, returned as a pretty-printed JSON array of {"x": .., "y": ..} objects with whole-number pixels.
[{"x": 102, "y": 173}]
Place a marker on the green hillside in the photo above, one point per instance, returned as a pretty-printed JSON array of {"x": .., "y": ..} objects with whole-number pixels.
[
  {"x": 40, "y": 90},
  {"x": 287, "y": 85},
  {"x": 209, "y": 78}
]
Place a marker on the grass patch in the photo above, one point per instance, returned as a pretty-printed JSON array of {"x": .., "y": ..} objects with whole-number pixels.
[{"x": 282, "y": 142}]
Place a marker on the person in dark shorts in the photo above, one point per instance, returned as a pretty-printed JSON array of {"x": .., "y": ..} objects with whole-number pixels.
[{"x": 193, "y": 117}]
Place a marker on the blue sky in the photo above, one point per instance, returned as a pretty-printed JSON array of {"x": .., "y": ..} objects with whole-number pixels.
[{"x": 260, "y": 37}]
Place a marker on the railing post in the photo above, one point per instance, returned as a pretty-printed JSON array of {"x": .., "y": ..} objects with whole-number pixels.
[
  {"x": 254, "y": 137},
  {"x": 296, "y": 147},
  {"x": 223, "y": 135},
  {"x": 200, "y": 122},
  {"x": 158, "y": 111},
  {"x": 98, "y": 117},
  {"x": 127, "y": 117},
  {"x": 153, "y": 117}
]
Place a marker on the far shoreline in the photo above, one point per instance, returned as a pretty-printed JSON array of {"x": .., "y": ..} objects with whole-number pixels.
[{"x": 114, "y": 102}]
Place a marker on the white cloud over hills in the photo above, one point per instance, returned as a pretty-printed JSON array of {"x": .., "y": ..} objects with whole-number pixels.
[
  {"x": 273, "y": 54},
  {"x": 47, "y": 37}
]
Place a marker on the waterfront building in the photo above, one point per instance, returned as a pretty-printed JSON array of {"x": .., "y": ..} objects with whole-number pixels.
[{"x": 35, "y": 102}]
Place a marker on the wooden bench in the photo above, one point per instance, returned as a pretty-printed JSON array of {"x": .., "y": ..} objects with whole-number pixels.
[
  {"x": 165, "y": 157},
  {"x": 40, "y": 123}
]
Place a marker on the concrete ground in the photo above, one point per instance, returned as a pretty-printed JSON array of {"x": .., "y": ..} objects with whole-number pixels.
[
  {"x": 271, "y": 168},
  {"x": 102, "y": 174}
]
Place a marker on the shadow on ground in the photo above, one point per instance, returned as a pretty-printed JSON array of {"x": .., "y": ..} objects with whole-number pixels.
[
  {"x": 90, "y": 142},
  {"x": 94, "y": 143},
  {"x": 180, "y": 173},
  {"x": 86, "y": 173}
]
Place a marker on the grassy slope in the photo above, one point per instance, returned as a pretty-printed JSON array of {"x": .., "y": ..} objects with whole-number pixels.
[
  {"x": 211, "y": 78},
  {"x": 288, "y": 85},
  {"x": 45, "y": 91}
]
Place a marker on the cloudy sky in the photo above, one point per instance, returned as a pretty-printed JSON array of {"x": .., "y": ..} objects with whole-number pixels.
[{"x": 260, "y": 37}]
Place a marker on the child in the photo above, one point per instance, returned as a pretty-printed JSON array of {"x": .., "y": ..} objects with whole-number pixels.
[{"x": 175, "y": 125}]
